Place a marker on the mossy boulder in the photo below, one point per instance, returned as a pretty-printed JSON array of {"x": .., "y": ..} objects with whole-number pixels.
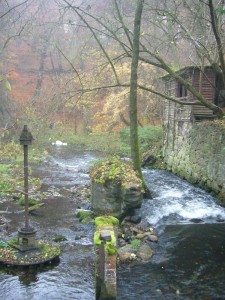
[{"x": 116, "y": 188}]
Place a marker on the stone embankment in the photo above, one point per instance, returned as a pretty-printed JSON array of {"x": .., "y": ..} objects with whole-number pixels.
[{"x": 198, "y": 155}]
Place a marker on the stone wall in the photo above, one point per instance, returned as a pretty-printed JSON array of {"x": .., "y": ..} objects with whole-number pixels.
[{"x": 198, "y": 155}]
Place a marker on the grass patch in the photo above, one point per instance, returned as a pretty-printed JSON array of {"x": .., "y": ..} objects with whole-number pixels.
[
  {"x": 148, "y": 136},
  {"x": 95, "y": 142},
  {"x": 4, "y": 168}
]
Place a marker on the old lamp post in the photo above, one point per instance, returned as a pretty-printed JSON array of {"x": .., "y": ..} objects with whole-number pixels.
[{"x": 26, "y": 234}]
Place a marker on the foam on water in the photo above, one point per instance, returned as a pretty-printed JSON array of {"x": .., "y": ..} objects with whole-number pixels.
[{"x": 177, "y": 201}]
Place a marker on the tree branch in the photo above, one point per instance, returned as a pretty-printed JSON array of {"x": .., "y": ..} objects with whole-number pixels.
[
  {"x": 12, "y": 8},
  {"x": 123, "y": 25},
  {"x": 214, "y": 22},
  {"x": 97, "y": 40}
]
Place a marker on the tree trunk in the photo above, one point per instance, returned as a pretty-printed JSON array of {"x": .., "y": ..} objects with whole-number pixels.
[{"x": 135, "y": 153}]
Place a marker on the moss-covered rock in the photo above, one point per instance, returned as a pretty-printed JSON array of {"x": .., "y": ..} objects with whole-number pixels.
[
  {"x": 114, "y": 169},
  {"x": 85, "y": 216},
  {"x": 116, "y": 188}
]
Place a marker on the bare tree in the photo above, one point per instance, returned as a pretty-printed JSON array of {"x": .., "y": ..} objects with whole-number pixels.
[{"x": 12, "y": 26}]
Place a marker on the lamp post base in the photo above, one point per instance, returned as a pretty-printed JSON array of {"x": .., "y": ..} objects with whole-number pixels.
[{"x": 26, "y": 239}]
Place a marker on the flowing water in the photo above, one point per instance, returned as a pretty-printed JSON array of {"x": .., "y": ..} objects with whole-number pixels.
[
  {"x": 73, "y": 277},
  {"x": 188, "y": 261}
]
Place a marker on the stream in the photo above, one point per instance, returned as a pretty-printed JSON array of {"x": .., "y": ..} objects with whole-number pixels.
[{"x": 188, "y": 260}]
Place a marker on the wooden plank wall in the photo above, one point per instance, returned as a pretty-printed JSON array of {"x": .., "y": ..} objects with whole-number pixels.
[{"x": 206, "y": 88}]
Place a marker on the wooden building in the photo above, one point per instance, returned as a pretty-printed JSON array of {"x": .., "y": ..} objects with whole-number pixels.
[
  {"x": 207, "y": 82},
  {"x": 177, "y": 118}
]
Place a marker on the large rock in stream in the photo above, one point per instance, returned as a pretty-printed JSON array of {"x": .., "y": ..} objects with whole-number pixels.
[
  {"x": 113, "y": 199},
  {"x": 116, "y": 188}
]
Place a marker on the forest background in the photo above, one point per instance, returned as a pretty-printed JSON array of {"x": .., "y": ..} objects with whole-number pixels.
[{"x": 65, "y": 65}]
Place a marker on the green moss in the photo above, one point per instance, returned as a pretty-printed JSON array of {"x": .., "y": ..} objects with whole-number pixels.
[
  {"x": 113, "y": 169},
  {"x": 85, "y": 216},
  {"x": 97, "y": 240},
  {"x": 31, "y": 202},
  {"x": 113, "y": 237},
  {"x": 48, "y": 250},
  {"x": 110, "y": 246},
  {"x": 135, "y": 243},
  {"x": 111, "y": 249},
  {"x": 106, "y": 220},
  {"x": 13, "y": 243}
]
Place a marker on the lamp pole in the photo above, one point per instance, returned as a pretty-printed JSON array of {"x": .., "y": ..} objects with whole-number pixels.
[{"x": 25, "y": 140}]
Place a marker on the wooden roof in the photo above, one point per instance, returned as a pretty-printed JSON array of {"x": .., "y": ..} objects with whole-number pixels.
[{"x": 185, "y": 70}]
